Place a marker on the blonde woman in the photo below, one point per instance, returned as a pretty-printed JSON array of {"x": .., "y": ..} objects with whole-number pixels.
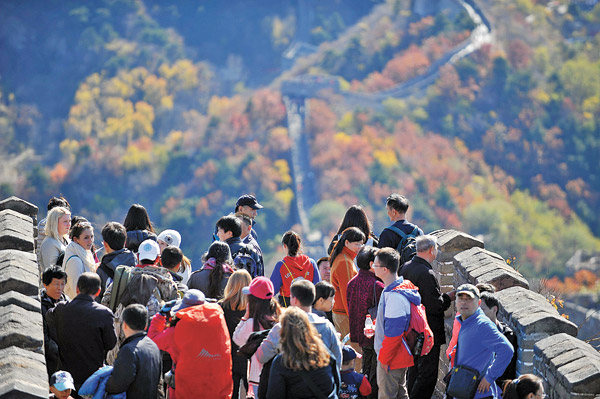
[
  {"x": 234, "y": 306},
  {"x": 304, "y": 369},
  {"x": 78, "y": 256},
  {"x": 58, "y": 224}
]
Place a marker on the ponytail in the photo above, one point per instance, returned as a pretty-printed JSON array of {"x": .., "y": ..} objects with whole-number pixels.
[{"x": 292, "y": 241}]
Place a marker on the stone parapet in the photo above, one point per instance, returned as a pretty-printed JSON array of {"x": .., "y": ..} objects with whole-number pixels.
[
  {"x": 22, "y": 373},
  {"x": 16, "y": 231}
]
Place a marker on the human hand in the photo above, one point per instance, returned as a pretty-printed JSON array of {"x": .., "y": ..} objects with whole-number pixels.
[
  {"x": 166, "y": 308},
  {"x": 452, "y": 295},
  {"x": 483, "y": 386}
]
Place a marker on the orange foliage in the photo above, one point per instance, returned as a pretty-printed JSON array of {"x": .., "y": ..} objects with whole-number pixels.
[
  {"x": 58, "y": 173},
  {"x": 409, "y": 64},
  {"x": 582, "y": 279},
  {"x": 519, "y": 54}
]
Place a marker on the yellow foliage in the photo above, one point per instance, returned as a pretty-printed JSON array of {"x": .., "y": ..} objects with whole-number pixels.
[
  {"x": 283, "y": 170},
  {"x": 143, "y": 119},
  {"x": 591, "y": 104},
  {"x": 342, "y": 138},
  {"x": 344, "y": 84},
  {"x": 69, "y": 146},
  {"x": 346, "y": 122},
  {"x": 136, "y": 158},
  {"x": 218, "y": 106},
  {"x": 541, "y": 96},
  {"x": 284, "y": 197},
  {"x": 166, "y": 102},
  {"x": 386, "y": 158},
  {"x": 118, "y": 88},
  {"x": 183, "y": 75},
  {"x": 155, "y": 89}
]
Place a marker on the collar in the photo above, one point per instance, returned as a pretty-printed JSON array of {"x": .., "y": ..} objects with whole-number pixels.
[
  {"x": 349, "y": 252},
  {"x": 141, "y": 334},
  {"x": 423, "y": 261},
  {"x": 84, "y": 297}
]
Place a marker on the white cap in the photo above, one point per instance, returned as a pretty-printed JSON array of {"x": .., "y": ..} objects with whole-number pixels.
[
  {"x": 171, "y": 237},
  {"x": 149, "y": 250}
]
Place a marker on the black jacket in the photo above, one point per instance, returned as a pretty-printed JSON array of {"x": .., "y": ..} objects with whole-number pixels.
[
  {"x": 50, "y": 346},
  {"x": 420, "y": 273},
  {"x": 84, "y": 332},
  {"x": 137, "y": 368},
  {"x": 236, "y": 244},
  {"x": 136, "y": 237},
  {"x": 511, "y": 370},
  {"x": 109, "y": 264},
  {"x": 390, "y": 239}
]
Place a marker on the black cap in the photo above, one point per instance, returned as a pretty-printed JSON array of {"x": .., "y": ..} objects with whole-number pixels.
[{"x": 249, "y": 200}]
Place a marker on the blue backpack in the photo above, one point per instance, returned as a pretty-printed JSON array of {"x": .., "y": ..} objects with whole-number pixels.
[
  {"x": 407, "y": 248},
  {"x": 243, "y": 259}
]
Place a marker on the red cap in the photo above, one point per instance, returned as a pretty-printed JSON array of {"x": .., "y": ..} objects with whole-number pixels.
[{"x": 260, "y": 287}]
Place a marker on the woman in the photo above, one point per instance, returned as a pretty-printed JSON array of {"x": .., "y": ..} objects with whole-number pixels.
[
  {"x": 355, "y": 217},
  {"x": 527, "y": 386},
  {"x": 262, "y": 312},
  {"x": 138, "y": 226},
  {"x": 78, "y": 256},
  {"x": 218, "y": 267},
  {"x": 304, "y": 369},
  {"x": 234, "y": 307},
  {"x": 58, "y": 224},
  {"x": 294, "y": 266},
  {"x": 343, "y": 269},
  {"x": 172, "y": 237}
]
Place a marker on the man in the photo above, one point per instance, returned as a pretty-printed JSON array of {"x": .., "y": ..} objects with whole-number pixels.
[
  {"x": 229, "y": 230},
  {"x": 83, "y": 330},
  {"x": 249, "y": 205},
  {"x": 247, "y": 239},
  {"x": 480, "y": 345},
  {"x": 422, "y": 377},
  {"x": 393, "y": 318},
  {"x": 137, "y": 368},
  {"x": 171, "y": 259},
  {"x": 324, "y": 268},
  {"x": 397, "y": 206},
  {"x": 489, "y": 306},
  {"x": 54, "y": 280},
  {"x": 114, "y": 236},
  {"x": 302, "y": 295}
]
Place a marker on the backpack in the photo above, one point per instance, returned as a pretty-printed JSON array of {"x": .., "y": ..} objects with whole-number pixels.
[
  {"x": 407, "y": 248},
  {"x": 419, "y": 336},
  {"x": 243, "y": 259},
  {"x": 120, "y": 280}
]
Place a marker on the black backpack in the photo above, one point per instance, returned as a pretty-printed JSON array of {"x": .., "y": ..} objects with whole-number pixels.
[
  {"x": 407, "y": 248},
  {"x": 243, "y": 259}
]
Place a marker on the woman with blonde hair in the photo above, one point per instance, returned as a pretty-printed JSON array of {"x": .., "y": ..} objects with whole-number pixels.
[
  {"x": 304, "y": 369},
  {"x": 234, "y": 306},
  {"x": 58, "y": 224},
  {"x": 79, "y": 257}
]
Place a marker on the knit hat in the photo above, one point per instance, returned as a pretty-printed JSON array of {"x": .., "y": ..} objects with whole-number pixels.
[
  {"x": 149, "y": 250},
  {"x": 171, "y": 237},
  {"x": 260, "y": 287}
]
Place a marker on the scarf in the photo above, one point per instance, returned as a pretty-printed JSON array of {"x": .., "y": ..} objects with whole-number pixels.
[
  {"x": 211, "y": 263},
  {"x": 86, "y": 256}
]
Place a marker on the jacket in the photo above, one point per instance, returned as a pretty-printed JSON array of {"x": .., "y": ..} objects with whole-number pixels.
[
  {"x": 292, "y": 267},
  {"x": 269, "y": 347},
  {"x": 511, "y": 370},
  {"x": 343, "y": 270},
  {"x": 137, "y": 368},
  {"x": 164, "y": 337},
  {"x": 50, "y": 346},
  {"x": 393, "y": 318},
  {"x": 136, "y": 237},
  {"x": 84, "y": 332},
  {"x": 95, "y": 385},
  {"x": 390, "y": 239},
  {"x": 109, "y": 264},
  {"x": 49, "y": 252},
  {"x": 240, "y": 337},
  {"x": 420, "y": 273},
  {"x": 251, "y": 241},
  {"x": 361, "y": 295},
  {"x": 354, "y": 385},
  {"x": 200, "y": 280},
  {"x": 483, "y": 347},
  {"x": 236, "y": 244},
  {"x": 289, "y": 384},
  {"x": 232, "y": 318}
]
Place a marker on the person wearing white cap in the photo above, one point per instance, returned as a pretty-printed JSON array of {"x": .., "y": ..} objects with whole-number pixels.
[
  {"x": 171, "y": 237},
  {"x": 148, "y": 253},
  {"x": 61, "y": 385}
]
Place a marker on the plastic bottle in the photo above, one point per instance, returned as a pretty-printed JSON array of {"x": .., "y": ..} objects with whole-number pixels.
[{"x": 369, "y": 330}]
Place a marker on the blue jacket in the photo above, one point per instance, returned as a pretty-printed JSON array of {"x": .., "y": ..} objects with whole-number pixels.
[
  {"x": 484, "y": 348},
  {"x": 96, "y": 385}
]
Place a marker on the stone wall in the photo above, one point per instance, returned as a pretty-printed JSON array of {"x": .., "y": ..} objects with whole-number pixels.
[{"x": 22, "y": 364}]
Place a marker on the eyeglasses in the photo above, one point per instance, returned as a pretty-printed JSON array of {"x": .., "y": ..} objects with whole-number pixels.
[{"x": 377, "y": 265}]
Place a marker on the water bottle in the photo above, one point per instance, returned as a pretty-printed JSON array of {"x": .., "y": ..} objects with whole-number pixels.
[{"x": 369, "y": 331}]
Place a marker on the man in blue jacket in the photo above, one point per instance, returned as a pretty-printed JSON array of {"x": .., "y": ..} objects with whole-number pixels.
[{"x": 480, "y": 345}]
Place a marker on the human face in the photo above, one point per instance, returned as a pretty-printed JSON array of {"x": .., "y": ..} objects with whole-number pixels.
[
  {"x": 540, "y": 394},
  {"x": 391, "y": 212},
  {"x": 85, "y": 239},
  {"x": 466, "y": 305},
  {"x": 354, "y": 246},
  {"x": 64, "y": 224},
  {"x": 162, "y": 245},
  {"x": 61, "y": 394},
  {"x": 325, "y": 305},
  {"x": 56, "y": 287},
  {"x": 223, "y": 235},
  {"x": 325, "y": 270},
  {"x": 248, "y": 211},
  {"x": 378, "y": 268}
]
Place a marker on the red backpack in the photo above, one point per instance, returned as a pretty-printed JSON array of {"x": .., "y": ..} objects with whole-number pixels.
[{"x": 419, "y": 336}]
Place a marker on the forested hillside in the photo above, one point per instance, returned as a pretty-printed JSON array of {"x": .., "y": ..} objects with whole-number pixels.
[{"x": 177, "y": 105}]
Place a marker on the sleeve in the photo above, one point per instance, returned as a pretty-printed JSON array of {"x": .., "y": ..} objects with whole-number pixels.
[
  {"x": 51, "y": 323},
  {"x": 49, "y": 253},
  {"x": 386, "y": 239},
  {"x": 243, "y": 331},
  {"x": 109, "y": 336},
  {"x": 124, "y": 372},
  {"x": 344, "y": 276},
  {"x": 163, "y": 337},
  {"x": 73, "y": 268},
  {"x": 451, "y": 350},
  {"x": 276, "y": 277},
  {"x": 503, "y": 350},
  {"x": 335, "y": 345},
  {"x": 316, "y": 274},
  {"x": 268, "y": 348},
  {"x": 431, "y": 297},
  {"x": 365, "y": 387},
  {"x": 277, "y": 388}
]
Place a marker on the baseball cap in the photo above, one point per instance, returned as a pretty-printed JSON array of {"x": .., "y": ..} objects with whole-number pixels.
[
  {"x": 171, "y": 237},
  {"x": 62, "y": 380},
  {"x": 260, "y": 287},
  {"x": 149, "y": 250},
  {"x": 468, "y": 289},
  {"x": 249, "y": 200},
  {"x": 192, "y": 297},
  {"x": 348, "y": 353}
]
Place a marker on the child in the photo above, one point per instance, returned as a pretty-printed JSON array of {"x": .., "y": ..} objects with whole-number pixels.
[
  {"x": 354, "y": 385},
  {"x": 324, "y": 299},
  {"x": 61, "y": 384}
]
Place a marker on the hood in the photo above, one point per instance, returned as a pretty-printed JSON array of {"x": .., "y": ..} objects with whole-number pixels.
[
  {"x": 297, "y": 262},
  {"x": 406, "y": 288},
  {"x": 120, "y": 257}
]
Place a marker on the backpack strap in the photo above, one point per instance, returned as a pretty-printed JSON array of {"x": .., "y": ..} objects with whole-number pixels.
[
  {"x": 70, "y": 257},
  {"x": 318, "y": 394},
  {"x": 398, "y": 231}
]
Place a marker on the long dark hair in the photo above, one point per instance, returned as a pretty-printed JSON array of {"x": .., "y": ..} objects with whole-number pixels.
[
  {"x": 137, "y": 219},
  {"x": 351, "y": 234},
  {"x": 521, "y": 387},
  {"x": 221, "y": 253},
  {"x": 265, "y": 312},
  {"x": 292, "y": 241},
  {"x": 356, "y": 217}
]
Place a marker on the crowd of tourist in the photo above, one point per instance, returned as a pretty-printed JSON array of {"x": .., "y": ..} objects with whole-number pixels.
[{"x": 366, "y": 320}]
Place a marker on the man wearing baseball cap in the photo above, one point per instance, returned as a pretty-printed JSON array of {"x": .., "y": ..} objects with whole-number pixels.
[
  {"x": 480, "y": 345},
  {"x": 248, "y": 205}
]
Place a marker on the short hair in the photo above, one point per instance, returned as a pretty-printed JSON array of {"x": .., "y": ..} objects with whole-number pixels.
[
  {"x": 483, "y": 287},
  {"x": 78, "y": 228},
  {"x": 245, "y": 219},
  {"x": 53, "y": 272},
  {"x": 365, "y": 256},
  {"x": 115, "y": 235},
  {"x": 171, "y": 256},
  {"x": 52, "y": 221},
  {"x": 230, "y": 223},
  {"x": 490, "y": 300},
  {"x": 397, "y": 202},
  {"x": 322, "y": 259},
  {"x": 425, "y": 242},
  {"x": 303, "y": 291},
  {"x": 136, "y": 316},
  {"x": 58, "y": 201},
  {"x": 89, "y": 283},
  {"x": 323, "y": 289},
  {"x": 389, "y": 258}
]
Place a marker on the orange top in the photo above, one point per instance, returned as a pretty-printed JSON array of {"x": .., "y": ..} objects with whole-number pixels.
[{"x": 342, "y": 271}]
